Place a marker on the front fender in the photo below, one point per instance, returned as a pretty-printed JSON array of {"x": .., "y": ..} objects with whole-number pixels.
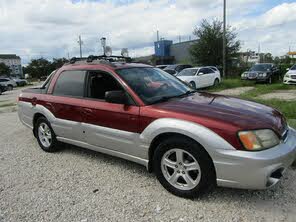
[{"x": 206, "y": 137}]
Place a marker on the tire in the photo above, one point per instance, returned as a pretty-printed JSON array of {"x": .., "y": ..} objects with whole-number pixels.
[
  {"x": 216, "y": 82},
  {"x": 0, "y": 91},
  {"x": 202, "y": 177},
  {"x": 192, "y": 84},
  {"x": 46, "y": 138},
  {"x": 9, "y": 88}
]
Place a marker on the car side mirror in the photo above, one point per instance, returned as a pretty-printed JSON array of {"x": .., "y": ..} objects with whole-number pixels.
[
  {"x": 288, "y": 69},
  {"x": 200, "y": 73},
  {"x": 118, "y": 97}
]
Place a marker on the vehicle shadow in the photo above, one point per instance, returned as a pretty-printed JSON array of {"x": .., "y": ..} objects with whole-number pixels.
[{"x": 241, "y": 196}]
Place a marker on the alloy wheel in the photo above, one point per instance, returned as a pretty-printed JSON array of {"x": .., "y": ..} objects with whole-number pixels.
[
  {"x": 181, "y": 169},
  {"x": 44, "y": 134}
]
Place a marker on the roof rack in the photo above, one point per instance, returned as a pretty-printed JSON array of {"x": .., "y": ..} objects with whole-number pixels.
[{"x": 91, "y": 58}]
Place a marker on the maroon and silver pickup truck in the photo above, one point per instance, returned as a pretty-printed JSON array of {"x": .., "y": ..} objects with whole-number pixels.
[{"x": 191, "y": 140}]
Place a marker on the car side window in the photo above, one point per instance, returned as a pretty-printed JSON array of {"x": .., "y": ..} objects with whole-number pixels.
[
  {"x": 70, "y": 83},
  {"x": 99, "y": 83},
  {"x": 202, "y": 70},
  {"x": 209, "y": 71}
]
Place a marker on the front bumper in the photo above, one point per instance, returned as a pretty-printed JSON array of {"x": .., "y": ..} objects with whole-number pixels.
[
  {"x": 255, "y": 170},
  {"x": 289, "y": 80}
]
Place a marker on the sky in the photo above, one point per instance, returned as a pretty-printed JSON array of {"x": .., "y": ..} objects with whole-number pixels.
[{"x": 50, "y": 28}]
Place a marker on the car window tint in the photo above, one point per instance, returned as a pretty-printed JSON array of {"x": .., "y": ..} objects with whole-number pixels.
[
  {"x": 70, "y": 83},
  {"x": 209, "y": 71},
  {"x": 99, "y": 83}
]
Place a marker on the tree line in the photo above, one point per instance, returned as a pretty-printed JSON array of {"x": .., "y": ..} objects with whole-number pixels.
[{"x": 42, "y": 67}]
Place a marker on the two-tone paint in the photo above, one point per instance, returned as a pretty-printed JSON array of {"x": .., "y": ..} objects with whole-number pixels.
[{"x": 130, "y": 131}]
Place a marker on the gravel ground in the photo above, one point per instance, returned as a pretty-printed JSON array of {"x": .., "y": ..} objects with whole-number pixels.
[
  {"x": 235, "y": 91},
  {"x": 288, "y": 95},
  {"x": 80, "y": 185}
]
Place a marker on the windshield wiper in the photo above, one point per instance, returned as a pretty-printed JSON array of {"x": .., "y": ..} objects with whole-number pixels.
[{"x": 166, "y": 98}]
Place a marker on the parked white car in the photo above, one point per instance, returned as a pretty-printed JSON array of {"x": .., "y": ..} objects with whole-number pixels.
[
  {"x": 9, "y": 83},
  {"x": 290, "y": 76},
  {"x": 200, "y": 77}
]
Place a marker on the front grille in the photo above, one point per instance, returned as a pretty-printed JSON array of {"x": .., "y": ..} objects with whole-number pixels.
[
  {"x": 293, "y": 77},
  {"x": 252, "y": 75}
]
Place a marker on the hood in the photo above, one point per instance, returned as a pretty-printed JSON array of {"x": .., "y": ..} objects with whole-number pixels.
[
  {"x": 291, "y": 72},
  {"x": 217, "y": 112}
]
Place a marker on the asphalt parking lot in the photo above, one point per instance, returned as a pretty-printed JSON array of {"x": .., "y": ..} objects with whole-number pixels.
[{"x": 79, "y": 185}]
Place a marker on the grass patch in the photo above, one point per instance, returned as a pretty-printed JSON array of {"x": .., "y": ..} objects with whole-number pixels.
[
  {"x": 292, "y": 123},
  {"x": 230, "y": 84}
]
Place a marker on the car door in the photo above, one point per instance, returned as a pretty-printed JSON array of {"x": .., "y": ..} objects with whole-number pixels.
[
  {"x": 209, "y": 77},
  {"x": 202, "y": 77},
  {"x": 108, "y": 125},
  {"x": 64, "y": 102}
]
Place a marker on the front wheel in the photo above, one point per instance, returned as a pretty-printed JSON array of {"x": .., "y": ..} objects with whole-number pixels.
[
  {"x": 192, "y": 84},
  {"x": 183, "y": 167}
]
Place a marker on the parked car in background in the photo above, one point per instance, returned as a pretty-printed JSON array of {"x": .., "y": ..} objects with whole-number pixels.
[
  {"x": 9, "y": 83},
  {"x": 290, "y": 76},
  {"x": 262, "y": 72},
  {"x": 2, "y": 89},
  {"x": 20, "y": 82},
  {"x": 200, "y": 77},
  {"x": 191, "y": 140},
  {"x": 175, "y": 69},
  {"x": 216, "y": 70},
  {"x": 161, "y": 66}
]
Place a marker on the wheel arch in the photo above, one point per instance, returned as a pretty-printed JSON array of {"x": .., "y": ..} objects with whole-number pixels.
[
  {"x": 162, "y": 137},
  {"x": 35, "y": 118},
  {"x": 163, "y": 128}
]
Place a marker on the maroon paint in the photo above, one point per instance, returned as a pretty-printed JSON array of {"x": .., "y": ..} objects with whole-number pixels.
[{"x": 223, "y": 115}]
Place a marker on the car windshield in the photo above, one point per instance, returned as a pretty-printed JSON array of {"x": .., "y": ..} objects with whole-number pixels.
[
  {"x": 261, "y": 67},
  {"x": 293, "y": 67},
  {"x": 153, "y": 85}
]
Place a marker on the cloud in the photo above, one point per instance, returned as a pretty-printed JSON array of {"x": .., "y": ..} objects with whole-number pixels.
[{"x": 50, "y": 28}]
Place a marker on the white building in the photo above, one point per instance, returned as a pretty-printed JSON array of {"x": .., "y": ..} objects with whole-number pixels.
[{"x": 14, "y": 62}]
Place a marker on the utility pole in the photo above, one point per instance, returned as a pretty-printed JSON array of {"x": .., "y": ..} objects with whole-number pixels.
[
  {"x": 157, "y": 33},
  {"x": 224, "y": 39},
  {"x": 80, "y": 44}
]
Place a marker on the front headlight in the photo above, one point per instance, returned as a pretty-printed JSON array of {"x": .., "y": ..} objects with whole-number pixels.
[
  {"x": 287, "y": 76},
  {"x": 264, "y": 74},
  {"x": 258, "y": 139}
]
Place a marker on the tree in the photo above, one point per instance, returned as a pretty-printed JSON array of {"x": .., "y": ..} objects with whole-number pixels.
[
  {"x": 39, "y": 67},
  {"x": 208, "y": 49},
  {"x": 58, "y": 63},
  {"x": 4, "y": 69}
]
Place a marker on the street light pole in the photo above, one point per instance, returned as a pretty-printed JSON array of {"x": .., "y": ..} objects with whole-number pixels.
[{"x": 224, "y": 39}]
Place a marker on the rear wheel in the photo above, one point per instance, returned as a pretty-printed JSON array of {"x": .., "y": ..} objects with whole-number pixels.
[
  {"x": 216, "y": 82},
  {"x": 45, "y": 135},
  {"x": 193, "y": 85},
  {"x": 0, "y": 91},
  {"x": 183, "y": 167}
]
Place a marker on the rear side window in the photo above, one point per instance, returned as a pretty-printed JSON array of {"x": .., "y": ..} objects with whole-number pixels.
[{"x": 70, "y": 83}]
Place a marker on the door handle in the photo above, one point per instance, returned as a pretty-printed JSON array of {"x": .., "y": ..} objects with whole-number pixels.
[{"x": 87, "y": 111}]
